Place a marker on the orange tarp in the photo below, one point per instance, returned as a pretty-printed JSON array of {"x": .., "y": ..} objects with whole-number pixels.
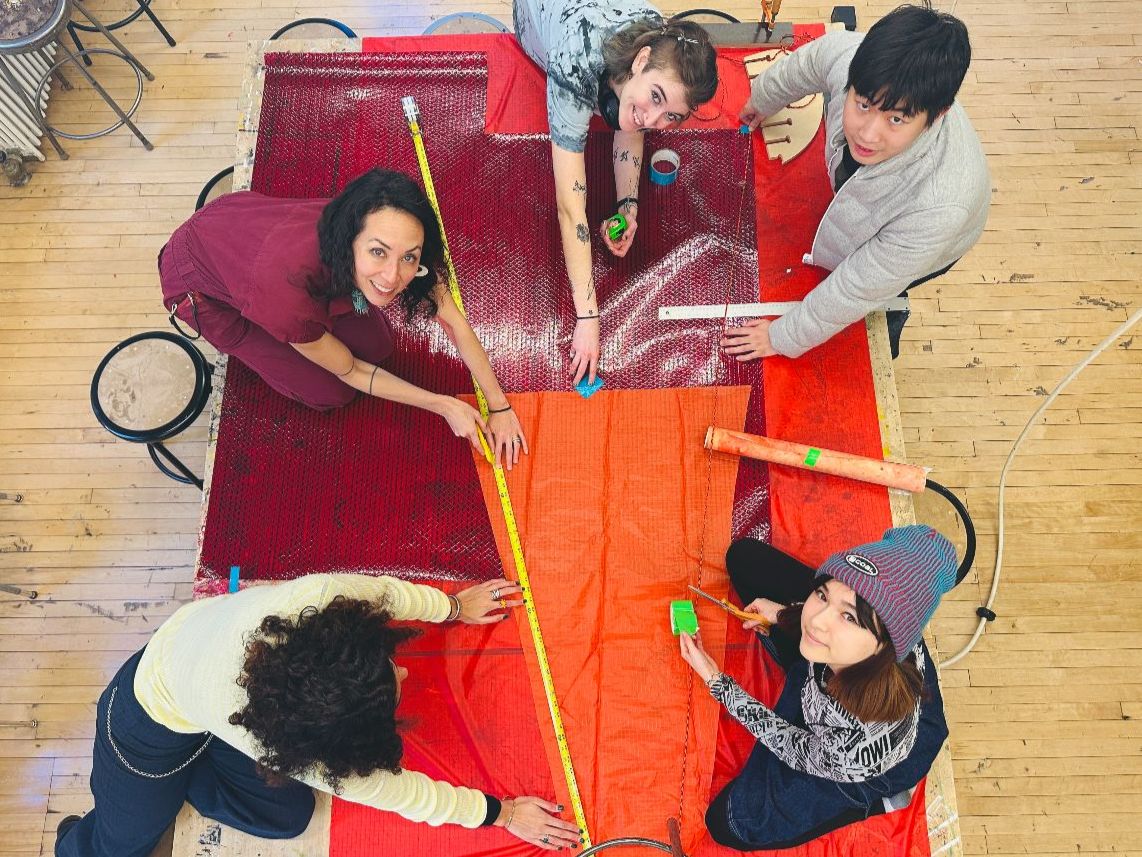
[{"x": 613, "y": 506}]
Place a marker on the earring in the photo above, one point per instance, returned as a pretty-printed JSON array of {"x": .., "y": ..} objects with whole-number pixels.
[
  {"x": 422, "y": 271},
  {"x": 359, "y": 303}
]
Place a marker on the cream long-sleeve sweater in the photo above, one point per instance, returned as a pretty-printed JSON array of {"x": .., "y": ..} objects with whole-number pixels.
[{"x": 187, "y": 681}]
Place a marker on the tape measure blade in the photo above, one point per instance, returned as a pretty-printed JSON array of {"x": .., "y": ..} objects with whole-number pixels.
[{"x": 510, "y": 524}]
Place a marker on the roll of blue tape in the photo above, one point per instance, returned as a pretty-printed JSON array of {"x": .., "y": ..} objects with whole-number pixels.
[{"x": 664, "y": 166}]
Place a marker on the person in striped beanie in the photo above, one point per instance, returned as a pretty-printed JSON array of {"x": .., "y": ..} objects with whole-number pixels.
[{"x": 860, "y": 719}]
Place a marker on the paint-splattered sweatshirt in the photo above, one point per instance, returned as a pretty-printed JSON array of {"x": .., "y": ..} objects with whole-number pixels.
[{"x": 565, "y": 38}]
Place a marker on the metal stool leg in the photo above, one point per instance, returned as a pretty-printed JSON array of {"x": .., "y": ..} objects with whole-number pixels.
[
  {"x": 63, "y": 81},
  {"x": 33, "y": 110},
  {"x": 184, "y": 475},
  {"x": 126, "y": 120},
  {"x": 74, "y": 33},
  {"x": 145, "y": 5},
  {"x": 111, "y": 38}
]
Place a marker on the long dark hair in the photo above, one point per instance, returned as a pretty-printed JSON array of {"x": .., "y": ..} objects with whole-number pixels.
[
  {"x": 343, "y": 219},
  {"x": 681, "y": 47},
  {"x": 877, "y": 689},
  {"x": 322, "y": 692}
]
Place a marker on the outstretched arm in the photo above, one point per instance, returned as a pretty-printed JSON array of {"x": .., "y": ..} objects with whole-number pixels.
[
  {"x": 333, "y": 355},
  {"x": 504, "y": 427},
  {"x": 571, "y": 200}
]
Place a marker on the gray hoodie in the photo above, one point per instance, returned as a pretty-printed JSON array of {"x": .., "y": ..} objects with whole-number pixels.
[{"x": 891, "y": 223}]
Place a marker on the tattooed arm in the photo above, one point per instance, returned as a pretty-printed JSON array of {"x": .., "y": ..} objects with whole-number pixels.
[
  {"x": 628, "y": 160},
  {"x": 571, "y": 200}
]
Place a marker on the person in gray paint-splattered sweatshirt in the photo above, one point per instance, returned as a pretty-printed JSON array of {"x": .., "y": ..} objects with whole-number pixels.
[{"x": 620, "y": 59}]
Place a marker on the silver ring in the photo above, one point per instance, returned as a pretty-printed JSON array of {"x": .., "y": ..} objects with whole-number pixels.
[{"x": 495, "y": 595}]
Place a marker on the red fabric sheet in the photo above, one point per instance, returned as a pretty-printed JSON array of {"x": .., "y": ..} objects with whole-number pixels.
[{"x": 825, "y": 398}]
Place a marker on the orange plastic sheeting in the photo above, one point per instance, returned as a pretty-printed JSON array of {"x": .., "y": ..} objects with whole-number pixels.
[{"x": 612, "y": 506}]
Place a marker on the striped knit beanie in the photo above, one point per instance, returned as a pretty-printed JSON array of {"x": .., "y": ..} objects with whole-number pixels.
[{"x": 902, "y": 577}]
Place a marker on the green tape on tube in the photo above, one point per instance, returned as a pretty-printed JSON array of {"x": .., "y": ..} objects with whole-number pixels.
[{"x": 811, "y": 456}]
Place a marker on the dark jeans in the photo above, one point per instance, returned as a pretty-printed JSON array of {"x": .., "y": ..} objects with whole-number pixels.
[
  {"x": 897, "y": 318},
  {"x": 770, "y": 805},
  {"x": 132, "y": 812}
]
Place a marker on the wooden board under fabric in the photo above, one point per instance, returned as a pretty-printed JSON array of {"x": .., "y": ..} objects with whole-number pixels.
[
  {"x": 204, "y": 837},
  {"x": 789, "y": 131}
]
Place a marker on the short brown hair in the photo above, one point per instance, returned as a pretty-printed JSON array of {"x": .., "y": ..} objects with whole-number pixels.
[
  {"x": 879, "y": 688},
  {"x": 681, "y": 47}
]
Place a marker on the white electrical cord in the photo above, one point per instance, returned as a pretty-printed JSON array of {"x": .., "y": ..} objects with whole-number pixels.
[{"x": 1102, "y": 346}]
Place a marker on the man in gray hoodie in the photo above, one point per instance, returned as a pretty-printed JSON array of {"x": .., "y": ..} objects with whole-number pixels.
[{"x": 908, "y": 172}]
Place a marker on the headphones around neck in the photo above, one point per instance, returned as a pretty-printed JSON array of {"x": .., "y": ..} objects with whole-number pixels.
[{"x": 608, "y": 102}]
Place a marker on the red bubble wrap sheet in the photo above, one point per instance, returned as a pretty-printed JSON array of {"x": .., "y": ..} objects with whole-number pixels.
[
  {"x": 413, "y": 508},
  {"x": 377, "y": 487}
]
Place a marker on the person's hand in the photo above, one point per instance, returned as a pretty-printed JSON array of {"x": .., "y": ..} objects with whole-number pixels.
[
  {"x": 750, "y": 341},
  {"x": 767, "y": 610},
  {"x": 751, "y": 116},
  {"x": 483, "y": 603},
  {"x": 623, "y": 245},
  {"x": 507, "y": 437},
  {"x": 585, "y": 349},
  {"x": 694, "y": 653},
  {"x": 535, "y": 820},
  {"x": 464, "y": 420}
]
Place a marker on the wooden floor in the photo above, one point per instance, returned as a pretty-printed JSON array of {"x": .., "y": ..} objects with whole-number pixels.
[{"x": 1046, "y": 714}]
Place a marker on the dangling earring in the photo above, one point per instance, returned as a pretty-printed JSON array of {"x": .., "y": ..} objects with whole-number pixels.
[
  {"x": 359, "y": 303},
  {"x": 422, "y": 271}
]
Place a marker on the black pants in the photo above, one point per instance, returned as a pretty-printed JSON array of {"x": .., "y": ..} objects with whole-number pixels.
[
  {"x": 133, "y": 810},
  {"x": 897, "y": 318},
  {"x": 758, "y": 570}
]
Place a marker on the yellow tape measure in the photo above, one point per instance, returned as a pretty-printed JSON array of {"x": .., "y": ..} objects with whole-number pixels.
[{"x": 412, "y": 114}]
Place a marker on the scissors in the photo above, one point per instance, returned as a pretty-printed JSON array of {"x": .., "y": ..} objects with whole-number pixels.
[{"x": 731, "y": 609}]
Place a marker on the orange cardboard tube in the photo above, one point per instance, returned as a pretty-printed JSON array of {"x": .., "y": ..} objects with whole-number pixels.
[{"x": 907, "y": 477}]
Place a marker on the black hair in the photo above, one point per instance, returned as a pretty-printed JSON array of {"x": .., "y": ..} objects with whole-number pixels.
[
  {"x": 680, "y": 47},
  {"x": 322, "y": 693},
  {"x": 913, "y": 60},
  {"x": 343, "y": 219}
]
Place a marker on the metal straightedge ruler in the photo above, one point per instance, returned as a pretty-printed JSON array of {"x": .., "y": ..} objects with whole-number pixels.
[
  {"x": 676, "y": 313},
  {"x": 412, "y": 114}
]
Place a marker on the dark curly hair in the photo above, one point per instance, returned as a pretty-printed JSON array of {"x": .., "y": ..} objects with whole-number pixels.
[
  {"x": 343, "y": 219},
  {"x": 322, "y": 692},
  {"x": 677, "y": 46}
]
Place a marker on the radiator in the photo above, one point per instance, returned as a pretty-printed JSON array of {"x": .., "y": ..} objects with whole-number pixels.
[{"x": 18, "y": 129}]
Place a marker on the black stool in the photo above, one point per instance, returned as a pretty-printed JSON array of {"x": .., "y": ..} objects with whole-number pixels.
[
  {"x": 149, "y": 388},
  {"x": 144, "y": 8},
  {"x": 465, "y": 23}
]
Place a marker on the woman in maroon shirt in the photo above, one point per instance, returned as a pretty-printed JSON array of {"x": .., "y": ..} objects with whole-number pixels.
[{"x": 295, "y": 289}]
